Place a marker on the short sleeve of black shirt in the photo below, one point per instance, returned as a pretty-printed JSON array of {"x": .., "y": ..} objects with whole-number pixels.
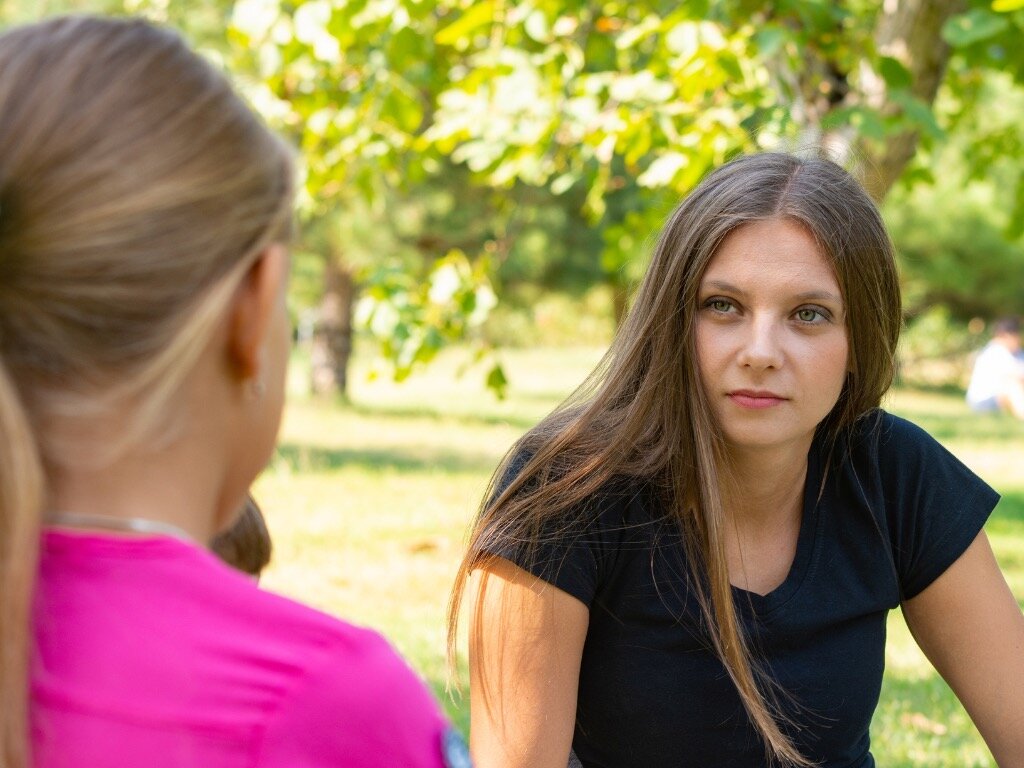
[
  {"x": 574, "y": 549},
  {"x": 928, "y": 502}
]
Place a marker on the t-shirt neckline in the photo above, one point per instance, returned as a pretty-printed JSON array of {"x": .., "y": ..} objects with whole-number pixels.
[
  {"x": 763, "y": 605},
  {"x": 71, "y": 542}
]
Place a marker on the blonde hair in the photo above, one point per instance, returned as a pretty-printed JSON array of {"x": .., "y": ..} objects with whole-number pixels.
[
  {"x": 643, "y": 413},
  {"x": 136, "y": 188}
]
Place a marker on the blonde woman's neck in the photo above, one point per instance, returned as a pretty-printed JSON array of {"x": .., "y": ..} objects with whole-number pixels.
[{"x": 187, "y": 482}]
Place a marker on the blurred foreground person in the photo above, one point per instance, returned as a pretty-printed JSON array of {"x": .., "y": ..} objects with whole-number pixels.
[
  {"x": 692, "y": 562},
  {"x": 997, "y": 379},
  {"x": 144, "y": 216}
]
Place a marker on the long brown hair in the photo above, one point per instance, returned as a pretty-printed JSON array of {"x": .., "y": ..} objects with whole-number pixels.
[
  {"x": 643, "y": 413},
  {"x": 136, "y": 188}
]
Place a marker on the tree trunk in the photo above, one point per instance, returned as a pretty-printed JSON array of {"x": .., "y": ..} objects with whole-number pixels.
[
  {"x": 332, "y": 334},
  {"x": 620, "y": 297},
  {"x": 910, "y": 31}
]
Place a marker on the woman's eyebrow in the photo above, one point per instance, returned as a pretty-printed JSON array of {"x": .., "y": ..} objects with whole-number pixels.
[
  {"x": 813, "y": 295},
  {"x": 819, "y": 296},
  {"x": 721, "y": 285}
]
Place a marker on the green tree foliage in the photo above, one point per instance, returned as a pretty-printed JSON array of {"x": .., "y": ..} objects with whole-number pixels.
[
  {"x": 984, "y": 103},
  {"x": 356, "y": 84},
  {"x": 558, "y": 113},
  {"x": 959, "y": 235},
  {"x": 954, "y": 252}
]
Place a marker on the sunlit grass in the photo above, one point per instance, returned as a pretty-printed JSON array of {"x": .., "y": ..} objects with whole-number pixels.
[{"x": 369, "y": 505}]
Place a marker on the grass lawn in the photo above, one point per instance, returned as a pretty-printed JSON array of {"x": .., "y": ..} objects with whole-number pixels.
[{"x": 369, "y": 506}]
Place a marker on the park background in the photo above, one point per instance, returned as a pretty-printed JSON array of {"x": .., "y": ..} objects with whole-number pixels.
[{"x": 482, "y": 181}]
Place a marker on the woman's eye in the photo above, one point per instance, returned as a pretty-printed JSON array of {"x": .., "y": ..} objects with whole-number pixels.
[
  {"x": 808, "y": 315},
  {"x": 719, "y": 305}
]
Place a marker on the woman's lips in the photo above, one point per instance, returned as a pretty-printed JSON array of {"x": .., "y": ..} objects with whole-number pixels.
[{"x": 748, "y": 398}]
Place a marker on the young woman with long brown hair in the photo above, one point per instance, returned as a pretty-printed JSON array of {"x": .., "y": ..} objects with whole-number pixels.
[
  {"x": 144, "y": 217},
  {"x": 690, "y": 562}
]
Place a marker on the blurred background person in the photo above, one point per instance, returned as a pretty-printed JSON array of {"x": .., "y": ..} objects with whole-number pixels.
[{"x": 997, "y": 379}]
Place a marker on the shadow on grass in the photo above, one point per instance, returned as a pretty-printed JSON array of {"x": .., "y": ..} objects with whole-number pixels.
[
  {"x": 307, "y": 458},
  {"x": 968, "y": 426},
  {"x": 437, "y": 414},
  {"x": 945, "y": 388}
]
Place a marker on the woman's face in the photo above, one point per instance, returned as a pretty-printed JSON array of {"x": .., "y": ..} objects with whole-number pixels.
[{"x": 771, "y": 336}]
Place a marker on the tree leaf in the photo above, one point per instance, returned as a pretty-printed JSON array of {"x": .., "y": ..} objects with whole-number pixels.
[
  {"x": 894, "y": 73},
  {"x": 865, "y": 120},
  {"x": 973, "y": 27},
  {"x": 662, "y": 171},
  {"x": 919, "y": 113},
  {"x": 456, "y": 34},
  {"x": 497, "y": 382},
  {"x": 770, "y": 40},
  {"x": 563, "y": 183}
]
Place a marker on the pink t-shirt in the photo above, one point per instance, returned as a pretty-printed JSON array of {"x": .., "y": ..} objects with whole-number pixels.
[{"x": 150, "y": 652}]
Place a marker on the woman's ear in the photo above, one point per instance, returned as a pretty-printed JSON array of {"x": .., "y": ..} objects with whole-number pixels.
[{"x": 252, "y": 309}]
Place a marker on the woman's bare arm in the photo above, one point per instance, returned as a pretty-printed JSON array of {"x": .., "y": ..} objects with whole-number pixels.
[
  {"x": 526, "y": 642},
  {"x": 969, "y": 625}
]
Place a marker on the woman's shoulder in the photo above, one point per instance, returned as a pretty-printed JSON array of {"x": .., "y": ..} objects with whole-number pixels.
[
  {"x": 893, "y": 458},
  {"x": 278, "y": 625},
  {"x": 197, "y": 645},
  {"x": 355, "y": 701},
  {"x": 343, "y": 691},
  {"x": 931, "y": 504},
  {"x": 617, "y": 499},
  {"x": 882, "y": 436},
  {"x": 181, "y": 594}
]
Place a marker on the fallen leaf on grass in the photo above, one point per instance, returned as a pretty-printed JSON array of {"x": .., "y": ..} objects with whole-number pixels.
[
  {"x": 923, "y": 723},
  {"x": 424, "y": 545}
]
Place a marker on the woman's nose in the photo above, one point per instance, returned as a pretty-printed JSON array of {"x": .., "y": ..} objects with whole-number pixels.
[{"x": 761, "y": 346}]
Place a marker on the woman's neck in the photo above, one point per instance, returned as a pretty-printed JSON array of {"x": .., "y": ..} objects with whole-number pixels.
[
  {"x": 762, "y": 499},
  {"x": 146, "y": 493},
  {"x": 180, "y": 485},
  {"x": 189, "y": 480},
  {"x": 760, "y": 488}
]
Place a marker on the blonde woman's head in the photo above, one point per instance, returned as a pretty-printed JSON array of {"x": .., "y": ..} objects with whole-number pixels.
[
  {"x": 135, "y": 186},
  {"x": 138, "y": 196}
]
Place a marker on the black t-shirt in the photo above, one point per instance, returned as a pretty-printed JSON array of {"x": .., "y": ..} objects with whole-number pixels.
[{"x": 896, "y": 509}]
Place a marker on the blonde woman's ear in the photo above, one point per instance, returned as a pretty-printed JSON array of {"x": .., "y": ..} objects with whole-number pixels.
[{"x": 249, "y": 318}]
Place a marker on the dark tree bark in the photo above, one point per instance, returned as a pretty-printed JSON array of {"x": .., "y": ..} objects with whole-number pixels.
[
  {"x": 332, "y": 334},
  {"x": 910, "y": 31}
]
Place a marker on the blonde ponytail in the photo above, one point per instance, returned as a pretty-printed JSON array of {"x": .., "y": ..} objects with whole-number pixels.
[{"x": 21, "y": 492}]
